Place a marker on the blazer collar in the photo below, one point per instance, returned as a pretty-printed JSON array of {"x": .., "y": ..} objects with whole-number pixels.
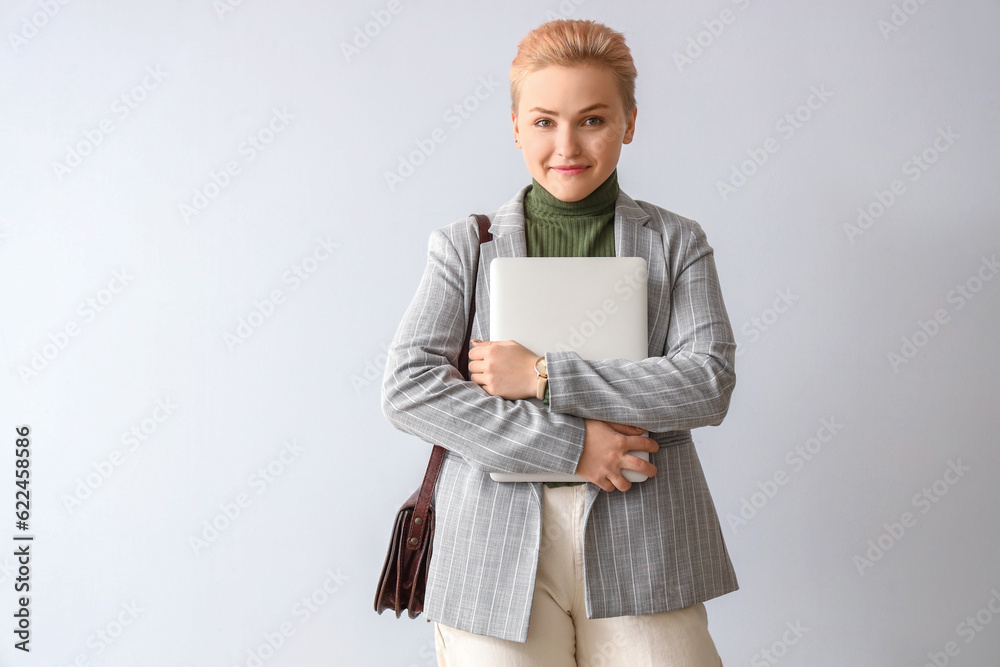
[{"x": 508, "y": 226}]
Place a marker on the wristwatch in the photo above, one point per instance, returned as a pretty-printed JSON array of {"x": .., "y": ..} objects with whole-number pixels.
[{"x": 543, "y": 378}]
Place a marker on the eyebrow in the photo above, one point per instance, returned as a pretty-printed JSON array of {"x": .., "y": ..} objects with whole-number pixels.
[{"x": 599, "y": 105}]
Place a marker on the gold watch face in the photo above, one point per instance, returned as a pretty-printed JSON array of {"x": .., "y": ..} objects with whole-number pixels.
[{"x": 540, "y": 367}]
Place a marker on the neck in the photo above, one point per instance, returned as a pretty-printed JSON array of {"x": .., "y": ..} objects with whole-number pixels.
[{"x": 597, "y": 202}]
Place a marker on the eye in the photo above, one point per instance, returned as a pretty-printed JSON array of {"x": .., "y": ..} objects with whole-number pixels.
[
  {"x": 541, "y": 122},
  {"x": 597, "y": 120}
]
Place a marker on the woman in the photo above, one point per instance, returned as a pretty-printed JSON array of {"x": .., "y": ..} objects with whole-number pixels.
[{"x": 623, "y": 569}]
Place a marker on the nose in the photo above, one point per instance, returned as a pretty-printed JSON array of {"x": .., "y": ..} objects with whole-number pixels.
[{"x": 567, "y": 142}]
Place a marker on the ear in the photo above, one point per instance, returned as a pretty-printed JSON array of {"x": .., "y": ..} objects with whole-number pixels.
[
  {"x": 630, "y": 127},
  {"x": 513, "y": 120}
]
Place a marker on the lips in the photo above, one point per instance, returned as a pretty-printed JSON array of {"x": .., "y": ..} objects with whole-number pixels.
[{"x": 570, "y": 168}]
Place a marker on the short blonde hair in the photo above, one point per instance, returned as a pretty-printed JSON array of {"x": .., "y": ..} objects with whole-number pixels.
[{"x": 568, "y": 42}]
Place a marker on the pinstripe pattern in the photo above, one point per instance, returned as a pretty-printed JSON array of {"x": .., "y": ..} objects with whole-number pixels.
[{"x": 658, "y": 546}]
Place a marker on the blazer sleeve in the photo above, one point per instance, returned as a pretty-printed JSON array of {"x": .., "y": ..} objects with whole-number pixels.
[
  {"x": 688, "y": 386},
  {"x": 424, "y": 394}
]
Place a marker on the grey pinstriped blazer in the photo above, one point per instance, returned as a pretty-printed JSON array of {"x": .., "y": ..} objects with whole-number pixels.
[{"x": 657, "y": 546}]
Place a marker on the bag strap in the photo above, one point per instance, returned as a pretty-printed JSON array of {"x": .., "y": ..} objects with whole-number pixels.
[{"x": 422, "y": 508}]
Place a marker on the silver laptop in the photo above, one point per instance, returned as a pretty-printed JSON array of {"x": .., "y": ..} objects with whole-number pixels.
[{"x": 594, "y": 306}]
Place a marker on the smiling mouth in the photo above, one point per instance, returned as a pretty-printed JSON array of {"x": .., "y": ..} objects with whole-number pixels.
[{"x": 571, "y": 169}]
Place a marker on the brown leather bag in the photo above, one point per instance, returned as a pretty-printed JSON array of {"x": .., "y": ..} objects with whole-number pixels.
[{"x": 404, "y": 575}]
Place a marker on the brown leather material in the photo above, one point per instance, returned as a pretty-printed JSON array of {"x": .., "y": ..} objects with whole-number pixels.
[{"x": 404, "y": 574}]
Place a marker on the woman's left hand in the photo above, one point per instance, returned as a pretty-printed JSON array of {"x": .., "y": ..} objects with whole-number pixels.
[{"x": 503, "y": 368}]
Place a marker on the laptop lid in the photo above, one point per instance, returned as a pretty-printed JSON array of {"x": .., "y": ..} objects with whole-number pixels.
[{"x": 594, "y": 306}]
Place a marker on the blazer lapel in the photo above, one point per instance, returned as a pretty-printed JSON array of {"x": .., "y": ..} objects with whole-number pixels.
[
  {"x": 509, "y": 240},
  {"x": 634, "y": 238}
]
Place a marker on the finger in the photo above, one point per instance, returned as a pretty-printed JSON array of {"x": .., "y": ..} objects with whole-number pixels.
[
  {"x": 625, "y": 428},
  {"x": 642, "y": 443},
  {"x": 605, "y": 485},
  {"x": 639, "y": 465},
  {"x": 480, "y": 364},
  {"x": 621, "y": 483}
]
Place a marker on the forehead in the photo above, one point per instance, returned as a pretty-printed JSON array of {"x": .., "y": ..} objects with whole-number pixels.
[{"x": 569, "y": 89}]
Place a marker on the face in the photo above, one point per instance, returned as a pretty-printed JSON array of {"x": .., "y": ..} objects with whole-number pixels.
[{"x": 570, "y": 123}]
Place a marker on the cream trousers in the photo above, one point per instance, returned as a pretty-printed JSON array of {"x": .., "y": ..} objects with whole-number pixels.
[{"x": 559, "y": 632}]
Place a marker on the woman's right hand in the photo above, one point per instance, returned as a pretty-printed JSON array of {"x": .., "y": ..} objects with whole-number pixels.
[{"x": 606, "y": 448}]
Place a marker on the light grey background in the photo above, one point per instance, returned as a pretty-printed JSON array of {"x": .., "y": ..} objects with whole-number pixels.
[{"x": 830, "y": 307}]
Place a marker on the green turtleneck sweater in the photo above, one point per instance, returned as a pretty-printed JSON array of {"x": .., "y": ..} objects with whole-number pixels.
[{"x": 585, "y": 228}]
